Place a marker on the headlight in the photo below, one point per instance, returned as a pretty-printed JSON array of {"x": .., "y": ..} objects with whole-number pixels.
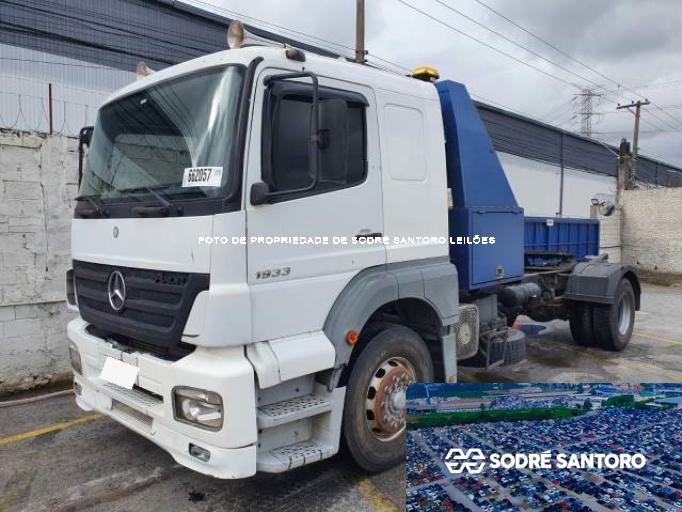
[
  {"x": 198, "y": 407},
  {"x": 75, "y": 357}
]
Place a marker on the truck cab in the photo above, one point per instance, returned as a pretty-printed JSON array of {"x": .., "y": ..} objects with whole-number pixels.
[{"x": 228, "y": 244}]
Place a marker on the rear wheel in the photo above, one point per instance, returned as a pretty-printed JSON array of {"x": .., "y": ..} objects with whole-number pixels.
[
  {"x": 613, "y": 323},
  {"x": 580, "y": 320},
  {"x": 374, "y": 412}
]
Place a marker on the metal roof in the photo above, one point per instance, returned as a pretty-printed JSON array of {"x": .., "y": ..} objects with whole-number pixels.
[{"x": 522, "y": 136}]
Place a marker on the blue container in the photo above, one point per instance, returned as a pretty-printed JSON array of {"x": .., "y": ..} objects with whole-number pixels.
[{"x": 579, "y": 237}]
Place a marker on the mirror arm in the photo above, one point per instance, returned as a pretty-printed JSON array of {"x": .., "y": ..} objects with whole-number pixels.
[
  {"x": 314, "y": 165},
  {"x": 84, "y": 138},
  {"x": 81, "y": 154}
]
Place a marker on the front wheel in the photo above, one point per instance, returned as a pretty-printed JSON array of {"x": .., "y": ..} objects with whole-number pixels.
[
  {"x": 374, "y": 412},
  {"x": 613, "y": 323}
]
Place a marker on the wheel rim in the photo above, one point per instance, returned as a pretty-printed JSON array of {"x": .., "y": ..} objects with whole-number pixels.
[
  {"x": 624, "y": 314},
  {"x": 385, "y": 398}
]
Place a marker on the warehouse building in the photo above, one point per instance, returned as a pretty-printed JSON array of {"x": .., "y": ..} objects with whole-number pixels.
[{"x": 88, "y": 49}]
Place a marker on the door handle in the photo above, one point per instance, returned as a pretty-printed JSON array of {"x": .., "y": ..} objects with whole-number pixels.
[{"x": 367, "y": 236}]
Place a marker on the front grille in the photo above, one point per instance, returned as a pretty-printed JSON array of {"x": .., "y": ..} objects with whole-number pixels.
[
  {"x": 127, "y": 412},
  {"x": 137, "y": 395},
  {"x": 172, "y": 353},
  {"x": 156, "y": 307}
]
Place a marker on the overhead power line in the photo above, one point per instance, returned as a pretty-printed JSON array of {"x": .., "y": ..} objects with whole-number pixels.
[
  {"x": 518, "y": 45},
  {"x": 574, "y": 59},
  {"x": 586, "y": 115},
  {"x": 659, "y": 85},
  {"x": 559, "y": 109},
  {"x": 68, "y": 64},
  {"x": 527, "y": 64},
  {"x": 241, "y": 16},
  {"x": 547, "y": 43},
  {"x": 487, "y": 45}
]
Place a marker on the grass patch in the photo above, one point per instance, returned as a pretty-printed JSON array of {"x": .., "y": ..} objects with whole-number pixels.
[
  {"x": 440, "y": 419},
  {"x": 626, "y": 401}
]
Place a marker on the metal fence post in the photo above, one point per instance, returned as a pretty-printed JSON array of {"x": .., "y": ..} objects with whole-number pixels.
[{"x": 49, "y": 107}]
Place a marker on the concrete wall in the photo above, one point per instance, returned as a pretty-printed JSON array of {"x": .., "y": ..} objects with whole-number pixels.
[
  {"x": 652, "y": 229},
  {"x": 38, "y": 181}
]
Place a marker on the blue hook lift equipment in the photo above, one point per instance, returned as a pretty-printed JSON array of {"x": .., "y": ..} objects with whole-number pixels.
[{"x": 483, "y": 201}]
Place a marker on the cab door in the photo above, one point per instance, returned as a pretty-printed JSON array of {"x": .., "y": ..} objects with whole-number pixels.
[{"x": 295, "y": 282}]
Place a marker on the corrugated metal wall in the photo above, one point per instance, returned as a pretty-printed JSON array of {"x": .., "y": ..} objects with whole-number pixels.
[
  {"x": 112, "y": 33},
  {"x": 531, "y": 139}
]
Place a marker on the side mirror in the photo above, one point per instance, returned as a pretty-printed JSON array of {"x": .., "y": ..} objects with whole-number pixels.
[
  {"x": 84, "y": 138},
  {"x": 85, "y": 135},
  {"x": 260, "y": 193}
]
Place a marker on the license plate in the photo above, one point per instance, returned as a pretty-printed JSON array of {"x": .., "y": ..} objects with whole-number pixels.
[{"x": 119, "y": 373}]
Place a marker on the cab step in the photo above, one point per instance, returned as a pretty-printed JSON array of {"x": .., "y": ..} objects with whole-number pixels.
[
  {"x": 291, "y": 410},
  {"x": 292, "y": 456}
]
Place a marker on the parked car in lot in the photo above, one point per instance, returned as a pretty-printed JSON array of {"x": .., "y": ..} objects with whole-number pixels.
[{"x": 608, "y": 430}]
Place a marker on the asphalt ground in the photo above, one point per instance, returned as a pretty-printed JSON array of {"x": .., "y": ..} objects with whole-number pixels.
[
  {"x": 55, "y": 457},
  {"x": 654, "y": 353}
]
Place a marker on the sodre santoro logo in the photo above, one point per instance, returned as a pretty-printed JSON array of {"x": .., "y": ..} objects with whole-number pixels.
[{"x": 473, "y": 461}]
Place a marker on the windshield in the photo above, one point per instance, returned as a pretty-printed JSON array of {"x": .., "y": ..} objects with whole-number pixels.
[{"x": 175, "y": 138}]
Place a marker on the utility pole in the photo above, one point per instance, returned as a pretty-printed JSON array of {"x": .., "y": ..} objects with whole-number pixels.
[
  {"x": 635, "y": 139},
  {"x": 587, "y": 110},
  {"x": 360, "y": 31},
  {"x": 624, "y": 169}
]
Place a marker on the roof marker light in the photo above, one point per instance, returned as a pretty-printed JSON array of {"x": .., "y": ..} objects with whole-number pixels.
[
  {"x": 236, "y": 33},
  {"x": 142, "y": 70},
  {"x": 426, "y": 73}
]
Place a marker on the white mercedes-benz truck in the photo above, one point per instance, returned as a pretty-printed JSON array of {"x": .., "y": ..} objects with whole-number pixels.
[{"x": 215, "y": 321}]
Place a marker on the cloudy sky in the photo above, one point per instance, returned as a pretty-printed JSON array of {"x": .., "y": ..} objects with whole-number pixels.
[{"x": 633, "y": 47}]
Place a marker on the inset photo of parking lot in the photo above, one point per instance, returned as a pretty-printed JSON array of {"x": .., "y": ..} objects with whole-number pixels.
[{"x": 549, "y": 447}]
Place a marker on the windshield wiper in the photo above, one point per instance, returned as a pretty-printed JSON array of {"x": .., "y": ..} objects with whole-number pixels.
[
  {"x": 96, "y": 210},
  {"x": 145, "y": 211}
]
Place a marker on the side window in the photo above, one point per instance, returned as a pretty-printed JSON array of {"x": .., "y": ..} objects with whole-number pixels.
[{"x": 288, "y": 146}]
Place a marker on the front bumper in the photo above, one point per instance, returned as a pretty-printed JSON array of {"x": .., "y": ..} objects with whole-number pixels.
[{"x": 148, "y": 409}]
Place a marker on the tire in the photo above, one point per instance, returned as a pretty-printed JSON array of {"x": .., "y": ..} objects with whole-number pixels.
[
  {"x": 613, "y": 323},
  {"x": 373, "y": 448},
  {"x": 580, "y": 321}
]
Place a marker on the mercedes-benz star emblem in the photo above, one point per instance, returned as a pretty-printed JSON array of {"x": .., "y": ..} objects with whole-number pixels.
[
  {"x": 115, "y": 231},
  {"x": 117, "y": 290}
]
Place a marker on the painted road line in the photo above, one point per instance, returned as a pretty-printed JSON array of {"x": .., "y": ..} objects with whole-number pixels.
[
  {"x": 663, "y": 375},
  {"x": 50, "y": 428},
  {"x": 644, "y": 334},
  {"x": 374, "y": 496}
]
